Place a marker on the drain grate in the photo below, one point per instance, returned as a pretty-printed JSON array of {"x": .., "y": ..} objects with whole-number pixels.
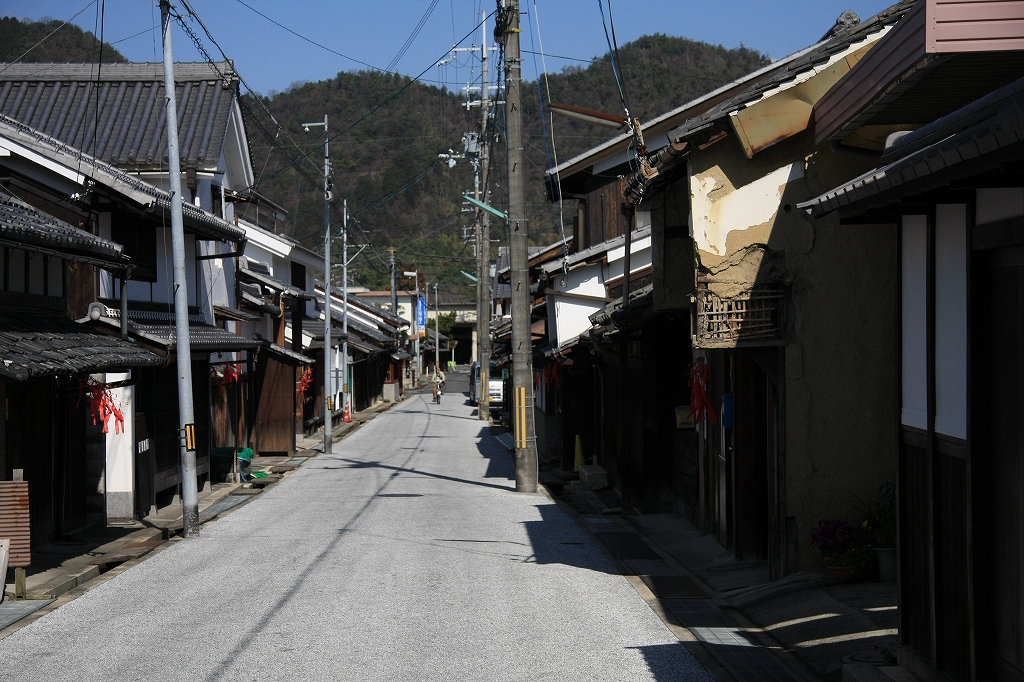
[
  {"x": 400, "y": 495},
  {"x": 673, "y": 587},
  {"x": 13, "y": 611},
  {"x": 627, "y": 546},
  {"x": 735, "y": 648}
]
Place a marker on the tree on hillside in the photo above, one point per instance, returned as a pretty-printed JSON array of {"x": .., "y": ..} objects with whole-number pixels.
[{"x": 67, "y": 44}]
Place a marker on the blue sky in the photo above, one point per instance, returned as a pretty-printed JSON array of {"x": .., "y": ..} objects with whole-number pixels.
[{"x": 270, "y": 58}]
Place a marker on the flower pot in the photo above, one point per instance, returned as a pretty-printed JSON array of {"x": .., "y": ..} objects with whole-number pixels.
[
  {"x": 886, "y": 557},
  {"x": 842, "y": 574}
]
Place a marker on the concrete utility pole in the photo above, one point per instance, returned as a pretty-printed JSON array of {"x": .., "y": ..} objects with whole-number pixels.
[
  {"x": 183, "y": 345},
  {"x": 437, "y": 332},
  {"x": 328, "y": 353},
  {"x": 344, "y": 309},
  {"x": 483, "y": 305},
  {"x": 522, "y": 341},
  {"x": 415, "y": 274},
  {"x": 394, "y": 291}
]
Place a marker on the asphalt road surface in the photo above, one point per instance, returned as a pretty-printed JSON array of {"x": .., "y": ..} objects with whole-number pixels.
[{"x": 404, "y": 555}]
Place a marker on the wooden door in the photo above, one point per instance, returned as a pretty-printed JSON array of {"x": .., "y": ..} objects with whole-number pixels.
[
  {"x": 997, "y": 451},
  {"x": 275, "y": 427}
]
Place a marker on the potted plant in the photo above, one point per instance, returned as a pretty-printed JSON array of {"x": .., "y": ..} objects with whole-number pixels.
[
  {"x": 845, "y": 549},
  {"x": 882, "y": 519}
]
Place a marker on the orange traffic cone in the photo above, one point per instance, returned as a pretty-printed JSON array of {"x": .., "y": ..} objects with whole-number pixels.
[{"x": 346, "y": 416}]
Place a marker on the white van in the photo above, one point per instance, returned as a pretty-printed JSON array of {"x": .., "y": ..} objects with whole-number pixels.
[{"x": 496, "y": 385}]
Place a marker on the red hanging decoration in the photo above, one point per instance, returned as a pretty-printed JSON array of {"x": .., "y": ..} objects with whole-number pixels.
[
  {"x": 307, "y": 380},
  {"x": 700, "y": 403},
  {"x": 101, "y": 405},
  {"x": 231, "y": 374}
]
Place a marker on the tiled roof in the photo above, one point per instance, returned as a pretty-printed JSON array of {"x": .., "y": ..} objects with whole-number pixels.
[
  {"x": 814, "y": 57},
  {"x": 36, "y": 342},
  {"x": 976, "y": 137},
  {"x": 158, "y": 328},
  {"x": 60, "y": 100},
  {"x": 247, "y": 274},
  {"x": 196, "y": 219},
  {"x": 290, "y": 354},
  {"x": 26, "y": 226}
]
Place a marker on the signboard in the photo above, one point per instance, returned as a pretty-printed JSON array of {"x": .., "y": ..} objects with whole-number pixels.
[{"x": 421, "y": 313}]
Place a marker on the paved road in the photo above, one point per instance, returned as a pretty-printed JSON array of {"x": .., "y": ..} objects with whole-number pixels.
[{"x": 405, "y": 555}]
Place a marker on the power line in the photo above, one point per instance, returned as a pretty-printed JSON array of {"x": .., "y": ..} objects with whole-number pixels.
[
  {"x": 412, "y": 36},
  {"x": 47, "y": 37},
  {"x": 373, "y": 110}
]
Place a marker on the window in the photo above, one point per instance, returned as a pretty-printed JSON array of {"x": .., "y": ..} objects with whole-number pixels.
[{"x": 139, "y": 240}]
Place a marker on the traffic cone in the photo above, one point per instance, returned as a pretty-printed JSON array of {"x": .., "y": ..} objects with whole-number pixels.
[
  {"x": 346, "y": 416},
  {"x": 580, "y": 461}
]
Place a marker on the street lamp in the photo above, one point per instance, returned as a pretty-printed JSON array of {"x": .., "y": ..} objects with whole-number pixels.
[{"x": 416, "y": 318}]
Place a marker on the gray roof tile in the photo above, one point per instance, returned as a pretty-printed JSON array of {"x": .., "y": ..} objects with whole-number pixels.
[{"x": 60, "y": 100}]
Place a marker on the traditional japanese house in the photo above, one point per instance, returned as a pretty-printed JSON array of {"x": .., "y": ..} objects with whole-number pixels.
[
  {"x": 740, "y": 292},
  {"x": 938, "y": 109},
  {"x": 62, "y": 415}
]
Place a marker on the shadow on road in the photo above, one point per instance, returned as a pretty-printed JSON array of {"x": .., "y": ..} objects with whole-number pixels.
[
  {"x": 671, "y": 662},
  {"x": 361, "y": 464}
]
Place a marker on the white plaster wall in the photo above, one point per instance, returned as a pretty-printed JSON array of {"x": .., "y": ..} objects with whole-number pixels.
[
  {"x": 716, "y": 212},
  {"x": 951, "y": 320},
  {"x": 571, "y": 314},
  {"x": 915, "y": 325},
  {"x": 120, "y": 452}
]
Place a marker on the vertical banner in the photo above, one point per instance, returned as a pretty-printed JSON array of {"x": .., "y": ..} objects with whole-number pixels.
[{"x": 421, "y": 313}]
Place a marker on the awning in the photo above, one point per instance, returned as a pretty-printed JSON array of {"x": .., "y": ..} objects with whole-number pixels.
[
  {"x": 35, "y": 342},
  {"x": 158, "y": 329},
  {"x": 399, "y": 356},
  {"x": 196, "y": 220},
  {"x": 363, "y": 345},
  {"x": 249, "y": 275},
  {"x": 971, "y": 140},
  {"x": 25, "y": 227},
  {"x": 289, "y": 355},
  {"x": 235, "y": 315}
]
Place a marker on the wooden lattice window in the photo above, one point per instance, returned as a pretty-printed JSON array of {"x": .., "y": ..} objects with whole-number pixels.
[{"x": 754, "y": 318}]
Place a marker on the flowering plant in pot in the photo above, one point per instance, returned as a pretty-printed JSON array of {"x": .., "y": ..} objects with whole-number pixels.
[
  {"x": 846, "y": 549},
  {"x": 881, "y": 516}
]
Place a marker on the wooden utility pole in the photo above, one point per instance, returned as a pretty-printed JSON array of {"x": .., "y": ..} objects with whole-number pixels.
[
  {"x": 183, "y": 346},
  {"x": 522, "y": 341}
]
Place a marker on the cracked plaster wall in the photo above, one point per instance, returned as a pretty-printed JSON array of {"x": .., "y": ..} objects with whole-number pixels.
[{"x": 840, "y": 404}]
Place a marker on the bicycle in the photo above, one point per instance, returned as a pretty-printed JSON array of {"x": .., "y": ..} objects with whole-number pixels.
[{"x": 438, "y": 390}]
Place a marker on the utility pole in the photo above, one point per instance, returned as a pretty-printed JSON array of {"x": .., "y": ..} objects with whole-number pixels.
[
  {"x": 183, "y": 345},
  {"x": 522, "y": 341},
  {"x": 415, "y": 274},
  {"x": 328, "y": 352},
  {"x": 437, "y": 332},
  {"x": 347, "y": 388},
  {"x": 483, "y": 305},
  {"x": 394, "y": 291}
]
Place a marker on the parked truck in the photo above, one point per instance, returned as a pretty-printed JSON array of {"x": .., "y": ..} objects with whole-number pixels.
[{"x": 495, "y": 386}]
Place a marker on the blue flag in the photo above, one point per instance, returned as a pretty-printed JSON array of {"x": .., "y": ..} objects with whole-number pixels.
[{"x": 421, "y": 313}]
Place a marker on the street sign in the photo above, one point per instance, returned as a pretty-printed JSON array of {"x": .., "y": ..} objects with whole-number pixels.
[{"x": 421, "y": 313}]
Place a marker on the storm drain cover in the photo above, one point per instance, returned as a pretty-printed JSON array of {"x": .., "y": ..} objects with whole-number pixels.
[
  {"x": 627, "y": 546},
  {"x": 400, "y": 495},
  {"x": 13, "y": 611},
  {"x": 673, "y": 587}
]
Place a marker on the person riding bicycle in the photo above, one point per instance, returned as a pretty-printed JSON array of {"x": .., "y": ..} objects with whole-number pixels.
[{"x": 438, "y": 382}]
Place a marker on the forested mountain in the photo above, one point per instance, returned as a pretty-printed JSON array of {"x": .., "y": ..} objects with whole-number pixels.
[
  {"x": 69, "y": 44},
  {"x": 386, "y": 164},
  {"x": 388, "y": 131}
]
